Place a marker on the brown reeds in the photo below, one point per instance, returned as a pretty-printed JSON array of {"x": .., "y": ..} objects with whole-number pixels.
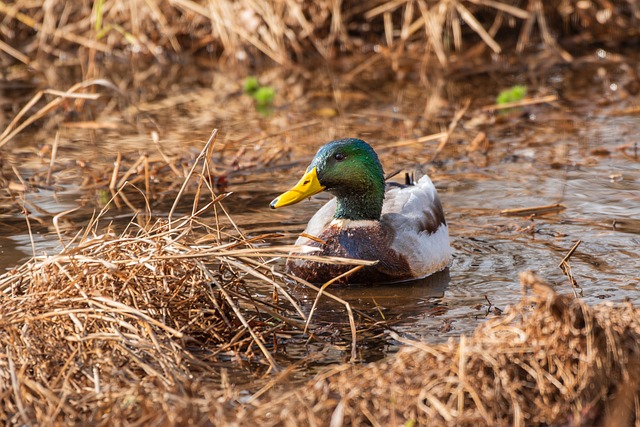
[
  {"x": 549, "y": 360},
  {"x": 82, "y": 332},
  {"x": 104, "y": 315},
  {"x": 287, "y": 31}
]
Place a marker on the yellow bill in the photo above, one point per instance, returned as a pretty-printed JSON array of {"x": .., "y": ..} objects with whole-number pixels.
[{"x": 306, "y": 187}]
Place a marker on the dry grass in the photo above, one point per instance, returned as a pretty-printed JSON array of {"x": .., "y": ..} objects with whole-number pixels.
[
  {"x": 84, "y": 330},
  {"x": 118, "y": 318},
  {"x": 550, "y": 360},
  {"x": 289, "y": 30},
  {"x": 130, "y": 326}
]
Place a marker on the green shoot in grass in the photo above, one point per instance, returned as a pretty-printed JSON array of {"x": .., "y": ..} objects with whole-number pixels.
[
  {"x": 251, "y": 85},
  {"x": 513, "y": 94},
  {"x": 262, "y": 95}
]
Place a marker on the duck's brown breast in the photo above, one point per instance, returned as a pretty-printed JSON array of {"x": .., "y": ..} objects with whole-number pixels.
[{"x": 371, "y": 243}]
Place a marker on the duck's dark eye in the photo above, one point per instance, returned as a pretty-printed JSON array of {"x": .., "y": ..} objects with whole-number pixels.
[{"x": 339, "y": 157}]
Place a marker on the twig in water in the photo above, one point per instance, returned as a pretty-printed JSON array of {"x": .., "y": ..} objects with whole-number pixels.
[
  {"x": 156, "y": 140},
  {"x": 452, "y": 127},
  {"x": 25, "y": 211},
  {"x": 212, "y": 140},
  {"x": 566, "y": 269},
  {"x": 114, "y": 175},
  {"x": 414, "y": 141},
  {"x": 521, "y": 103},
  {"x": 54, "y": 151},
  {"x": 56, "y": 220},
  {"x": 495, "y": 310},
  {"x": 535, "y": 210}
]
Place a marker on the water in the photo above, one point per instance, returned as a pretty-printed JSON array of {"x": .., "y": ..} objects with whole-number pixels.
[{"x": 570, "y": 152}]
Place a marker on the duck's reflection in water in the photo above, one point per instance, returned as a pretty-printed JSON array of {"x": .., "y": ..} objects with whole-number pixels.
[
  {"x": 376, "y": 309},
  {"x": 403, "y": 297}
]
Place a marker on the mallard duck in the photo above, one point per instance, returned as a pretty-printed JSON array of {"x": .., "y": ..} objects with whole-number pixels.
[{"x": 400, "y": 226}]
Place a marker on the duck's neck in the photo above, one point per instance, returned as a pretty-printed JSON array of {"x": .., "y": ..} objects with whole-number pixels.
[{"x": 361, "y": 205}]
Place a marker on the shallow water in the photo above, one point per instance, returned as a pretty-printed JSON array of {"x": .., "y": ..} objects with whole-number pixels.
[{"x": 567, "y": 152}]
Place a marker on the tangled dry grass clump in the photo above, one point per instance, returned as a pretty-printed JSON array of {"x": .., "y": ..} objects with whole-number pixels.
[
  {"x": 289, "y": 30},
  {"x": 97, "y": 319},
  {"x": 550, "y": 360},
  {"x": 114, "y": 320}
]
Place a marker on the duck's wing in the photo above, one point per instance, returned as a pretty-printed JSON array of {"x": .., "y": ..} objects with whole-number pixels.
[{"x": 416, "y": 216}]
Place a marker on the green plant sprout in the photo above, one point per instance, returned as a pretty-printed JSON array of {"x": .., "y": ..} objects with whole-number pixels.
[
  {"x": 251, "y": 85},
  {"x": 513, "y": 94},
  {"x": 262, "y": 95}
]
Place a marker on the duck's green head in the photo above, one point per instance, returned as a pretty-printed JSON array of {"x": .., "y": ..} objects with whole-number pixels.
[{"x": 349, "y": 169}]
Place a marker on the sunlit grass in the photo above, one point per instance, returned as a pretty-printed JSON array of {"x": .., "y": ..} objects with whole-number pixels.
[{"x": 286, "y": 32}]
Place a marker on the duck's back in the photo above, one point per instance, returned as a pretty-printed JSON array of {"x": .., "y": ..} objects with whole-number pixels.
[{"x": 422, "y": 235}]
